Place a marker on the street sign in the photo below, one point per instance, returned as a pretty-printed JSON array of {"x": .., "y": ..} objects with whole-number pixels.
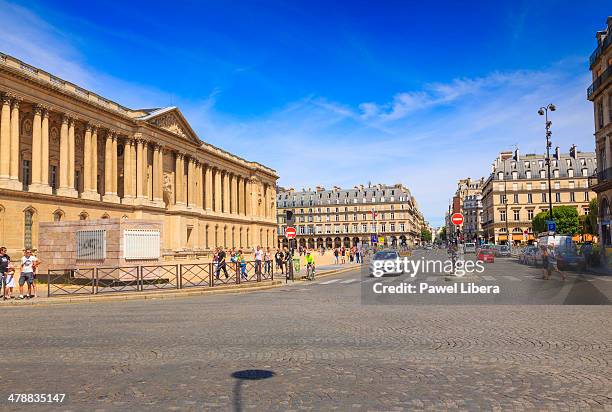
[
  {"x": 373, "y": 239},
  {"x": 552, "y": 225},
  {"x": 290, "y": 232},
  {"x": 381, "y": 239},
  {"x": 457, "y": 219}
]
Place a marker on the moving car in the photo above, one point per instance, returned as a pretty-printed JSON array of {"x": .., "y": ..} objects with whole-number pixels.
[
  {"x": 486, "y": 256},
  {"x": 569, "y": 259},
  {"x": 502, "y": 250},
  {"x": 380, "y": 258},
  {"x": 469, "y": 248}
]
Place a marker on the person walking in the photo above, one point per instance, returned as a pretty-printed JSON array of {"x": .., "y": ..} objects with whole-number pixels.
[
  {"x": 336, "y": 255},
  {"x": 242, "y": 263},
  {"x": 221, "y": 264},
  {"x": 9, "y": 282},
  {"x": 287, "y": 262},
  {"x": 258, "y": 260},
  {"x": 550, "y": 263}
]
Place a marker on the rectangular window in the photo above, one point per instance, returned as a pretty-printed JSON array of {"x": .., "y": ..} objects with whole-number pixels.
[
  {"x": 364, "y": 227},
  {"x": 25, "y": 174},
  {"x": 572, "y": 197},
  {"x": 516, "y": 198},
  {"x": 557, "y": 198},
  {"x": 53, "y": 177},
  {"x": 502, "y": 215},
  {"x": 393, "y": 227},
  {"x": 543, "y": 197},
  {"x": 529, "y": 198},
  {"x": 530, "y": 214},
  {"x": 586, "y": 195},
  {"x": 516, "y": 215},
  {"x": 401, "y": 227}
]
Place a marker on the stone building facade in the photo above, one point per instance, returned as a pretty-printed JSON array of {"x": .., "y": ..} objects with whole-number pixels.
[
  {"x": 67, "y": 153},
  {"x": 600, "y": 93},
  {"x": 517, "y": 190},
  {"x": 345, "y": 217}
]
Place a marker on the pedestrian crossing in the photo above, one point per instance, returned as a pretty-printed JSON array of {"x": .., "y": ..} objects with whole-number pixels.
[{"x": 440, "y": 278}]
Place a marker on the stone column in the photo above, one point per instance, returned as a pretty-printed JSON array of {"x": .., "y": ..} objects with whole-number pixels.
[
  {"x": 94, "y": 162},
  {"x": 5, "y": 137},
  {"x": 248, "y": 188},
  {"x": 110, "y": 168},
  {"x": 208, "y": 183},
  {"x": 128, "y": 171},
  {"x": 189, "y": 183},
  {"x": 234, "y": 193},
  {"x": 200, "y": 184},
  {"x": 158, "y": 175},
  {"x": 14, "y": 148},
  {"x": 179, "y": 171},
  {"x": 226, "y": 196},
  {"x": 218, "y": 191},
  {"x": 36, "y": 148},
  {"x": 140, "y": 169},
  {"x": 45, "y": 187},
  {"x": 71, "y": 155},
  {"x": 608, "y": 143},
  {"x": 88, "y": 170},
  {"x": 66, "y": 188}
]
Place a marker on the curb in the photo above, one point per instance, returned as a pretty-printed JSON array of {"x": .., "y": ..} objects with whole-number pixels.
[
  {"x": 165, "y": 294},
  {"x": 328, "y": 273}
]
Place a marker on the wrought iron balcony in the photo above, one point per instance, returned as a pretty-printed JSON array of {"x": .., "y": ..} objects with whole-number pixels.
[
  {"x": 599, "y": 82},
  {"x": 601, "y": 180},
  {"x": 600, "y": 49}
]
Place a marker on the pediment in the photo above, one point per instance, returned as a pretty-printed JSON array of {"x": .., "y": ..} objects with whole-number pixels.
[{"x": 173, "y": 121}]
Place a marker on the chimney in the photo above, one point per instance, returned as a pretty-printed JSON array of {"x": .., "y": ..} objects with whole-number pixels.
[
  {"x": 573, "y": 151},
  {"x": 516, "y": 154},
  {"x": 557, "y": 153}
]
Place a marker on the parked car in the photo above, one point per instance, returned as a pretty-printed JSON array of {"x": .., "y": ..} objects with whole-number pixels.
[
  {"x": 469, "y": 248},
  {"x": 486, "y": 256},
  {"x": 484, "y": 246}
]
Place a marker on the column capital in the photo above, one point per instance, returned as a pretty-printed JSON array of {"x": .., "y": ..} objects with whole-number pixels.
[
  {"x": 15, "y": 101},
  {"x": 5, "y": 98},
  {"x": 179, "y": 155},
  {"x": 37, "y": 109},
  {"x": 88, "y": 127}
]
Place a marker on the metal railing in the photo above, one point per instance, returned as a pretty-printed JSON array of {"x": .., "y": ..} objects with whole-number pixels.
[
  {"x": 100, "y": 280},
  {"x": 600, "y": 49},
  {"x": 600, "y": 177},
  {"x": 598, "y": 82}
]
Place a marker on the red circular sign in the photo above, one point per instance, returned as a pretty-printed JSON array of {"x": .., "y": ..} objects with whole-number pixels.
[
  {"x": 290, "y": 232},
  {"x": 457, "y": 219}
]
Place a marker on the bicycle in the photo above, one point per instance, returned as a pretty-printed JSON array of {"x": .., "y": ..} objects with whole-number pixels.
[{"x": 310, "y": 271}]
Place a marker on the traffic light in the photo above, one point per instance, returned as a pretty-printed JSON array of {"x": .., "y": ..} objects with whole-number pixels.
[{"x": 290, "y": 217}]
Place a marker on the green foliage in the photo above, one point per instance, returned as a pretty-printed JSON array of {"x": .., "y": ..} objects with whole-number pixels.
[
  {"x": 565, "y": 216},
  {"x": 590, "y": 222},
  {"x": 425, "y": 235},
  {"x": 443, "y": 234}
]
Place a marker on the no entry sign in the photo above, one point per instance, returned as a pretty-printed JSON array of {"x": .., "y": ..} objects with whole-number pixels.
[
  {"x": 290, "y": 232},
  {"x": 457, "y": 219}
]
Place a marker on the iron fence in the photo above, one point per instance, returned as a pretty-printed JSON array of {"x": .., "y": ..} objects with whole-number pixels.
[{"x": 90, "y": 281}]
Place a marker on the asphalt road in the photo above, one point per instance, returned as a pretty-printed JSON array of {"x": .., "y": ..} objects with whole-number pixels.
[{"x": 324, "y": 345}]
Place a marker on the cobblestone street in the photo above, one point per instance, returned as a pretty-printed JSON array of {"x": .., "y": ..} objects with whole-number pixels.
[{"x": 324, "y": 347}]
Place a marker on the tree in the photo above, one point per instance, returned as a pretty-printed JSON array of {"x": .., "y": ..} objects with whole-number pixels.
[
  {"x": 566, "y": 218},
  {"x": 443, "y": 234},
  {"x": 425, "y": 235},
  {"x": 590, "y": 222}
]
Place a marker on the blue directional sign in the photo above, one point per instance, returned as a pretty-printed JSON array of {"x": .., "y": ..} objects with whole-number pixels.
[
  {"x": 373, "y": 238},
  {"x": 552, "y": 225}
]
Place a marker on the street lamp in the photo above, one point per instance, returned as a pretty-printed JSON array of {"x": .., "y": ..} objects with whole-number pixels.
[{"x": 544, "y": 112}]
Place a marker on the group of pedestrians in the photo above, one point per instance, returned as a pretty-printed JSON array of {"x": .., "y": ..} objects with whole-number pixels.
[
  {"x": 28, "y": 266},
  {"x": 262, "y": 262},
  {"x": 344, "y": 254}
]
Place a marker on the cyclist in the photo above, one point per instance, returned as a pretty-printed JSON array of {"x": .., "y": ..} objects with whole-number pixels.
[{"x": 310, "y": 266}]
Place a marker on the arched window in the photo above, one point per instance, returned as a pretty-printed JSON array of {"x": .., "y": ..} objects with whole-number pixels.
[
  {"x": 57, "y": 215},
  {"x": 28, "y": 223}
]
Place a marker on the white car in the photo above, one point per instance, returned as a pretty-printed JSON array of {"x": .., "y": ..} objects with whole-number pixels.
[
  {"x": 380, "y": 259},
  {"x": 469, "y": 248}
]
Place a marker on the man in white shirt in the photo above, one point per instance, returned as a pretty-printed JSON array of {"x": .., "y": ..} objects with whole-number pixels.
[
  {"x": 29, "y": 263},
  {"x": 258, "y": 259}
]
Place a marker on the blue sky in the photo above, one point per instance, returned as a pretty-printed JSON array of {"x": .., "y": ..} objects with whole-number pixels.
[{"x": 332, "y": 93}]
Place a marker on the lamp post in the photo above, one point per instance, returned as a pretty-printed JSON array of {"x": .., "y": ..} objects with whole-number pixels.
[{"x": 544, "y": 112}]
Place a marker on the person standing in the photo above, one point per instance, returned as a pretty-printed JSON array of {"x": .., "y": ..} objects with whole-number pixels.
[
  {"x": 5, "y": 260},
  {"x": 28, "y": 266},
  {"x": 258, "y": 259},
  {"x": 336, "y": 255},
  {"x": 278, "y": 257},
  {"x": 9, "y": 282},
  {"x": 287, "y": 262},
  {"x": 268, "y": 262}
]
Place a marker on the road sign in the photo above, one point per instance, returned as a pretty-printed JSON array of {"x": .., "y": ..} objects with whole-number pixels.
[
  {"x": 457, "y": 219},
  {"x": 552, "y": 225},
  {"x": 290, "y": 232},
  {"x": 373, "y": 239},
  {"x": 381, "y": 239}
]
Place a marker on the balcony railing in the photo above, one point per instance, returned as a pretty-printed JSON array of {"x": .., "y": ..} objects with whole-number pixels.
[
  {"x": 593, "y": 88},
  {"x": 600, "y": 49},
  {"x": 601, "y": 177}
]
